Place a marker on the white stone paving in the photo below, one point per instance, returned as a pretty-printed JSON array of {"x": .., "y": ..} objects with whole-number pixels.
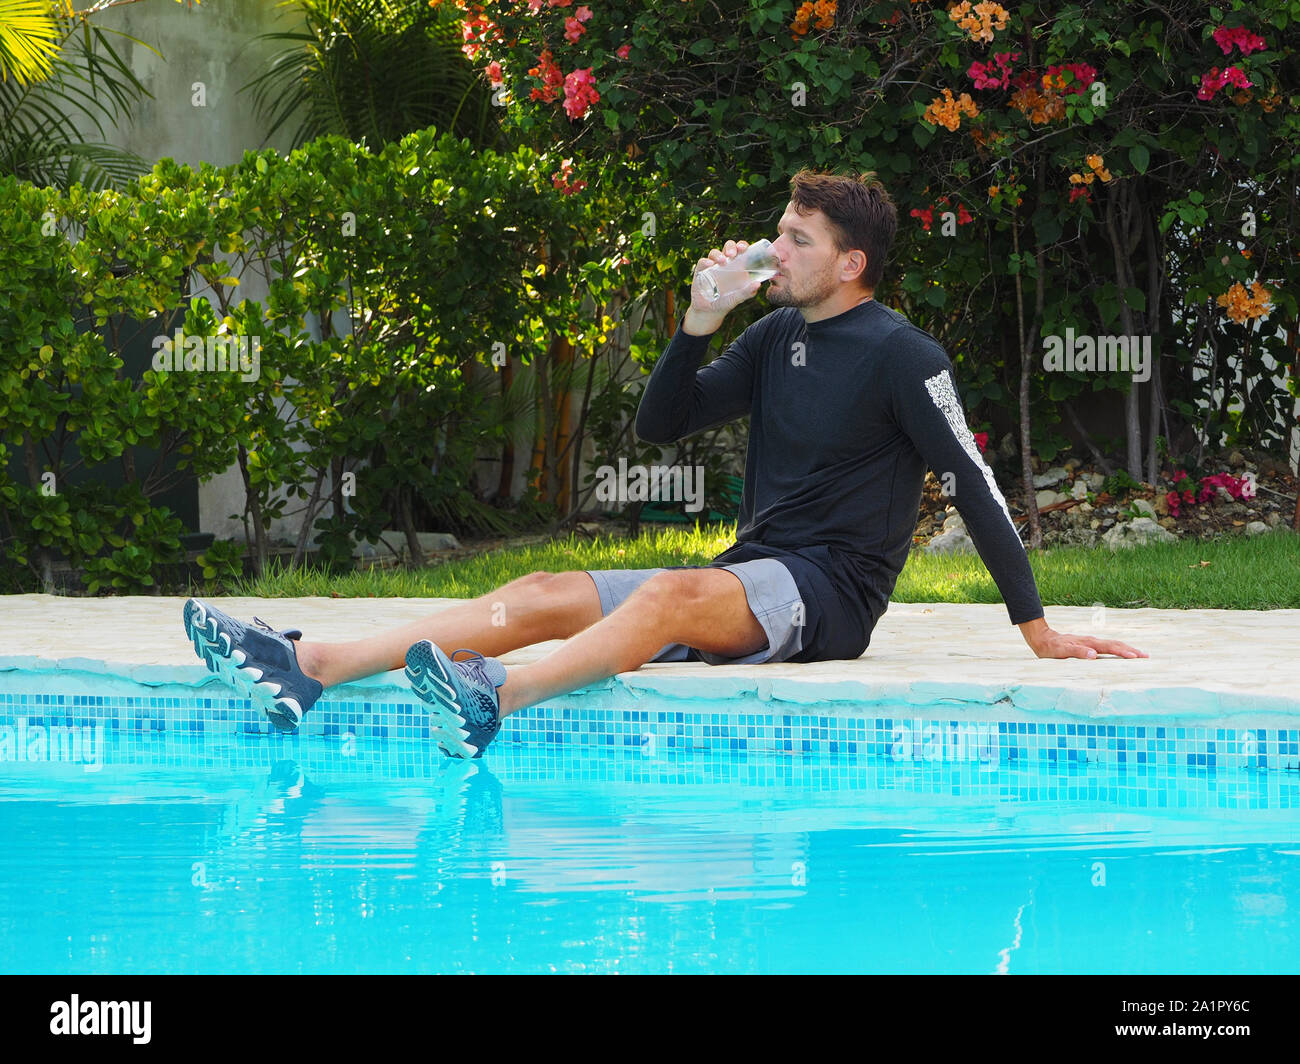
[{"x": 1201, "y": 659}]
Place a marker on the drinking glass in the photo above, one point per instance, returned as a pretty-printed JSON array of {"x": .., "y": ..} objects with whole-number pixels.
[{"x": 756, "y": 263}]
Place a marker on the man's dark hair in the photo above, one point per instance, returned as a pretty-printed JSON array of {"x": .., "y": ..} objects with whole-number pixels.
[{"x": 860, "y": 212}]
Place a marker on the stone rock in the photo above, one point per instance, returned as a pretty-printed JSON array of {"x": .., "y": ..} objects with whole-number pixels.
[
  {"x": 1079, "y": 489},
  {"x": 393, "y": 544},
  {"x": 1072, "y": 464},
  {"x": 1136, "y": 532},
  {"x": 1162, "y": 506},
  {"x": 1095, "y": 481},
  {"x": 1046, "y": 497},
  {"x": 953, "y": 541},
  {"x": 1256, "y": 528},
  {"x": 953, "y": 521},
  {"x": 1167, "y": 522},
  {"x": 1236, "y": 459},
  {"x": 1273, "y": 520},
  {"x": 1144, "y": 507},
  {"x": 1007, "y": 448},
  {"x": 1084, "y": 507},
  {"x": 1053, "y": 476}
]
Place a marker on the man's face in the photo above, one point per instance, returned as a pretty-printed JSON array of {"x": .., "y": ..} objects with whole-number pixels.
[{"x": 810, "y": 265}]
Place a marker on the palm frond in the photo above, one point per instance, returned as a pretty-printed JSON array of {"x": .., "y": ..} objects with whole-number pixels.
[
  {"x": 29, "y": 40},
  {"x": 372, "y": 71},
  {"x": 41, "y": 139}
]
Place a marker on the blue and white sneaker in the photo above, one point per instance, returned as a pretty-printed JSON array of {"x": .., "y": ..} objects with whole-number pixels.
[
  {"x": 462, "y": 694},
  {"x": 260, "y": 663}
]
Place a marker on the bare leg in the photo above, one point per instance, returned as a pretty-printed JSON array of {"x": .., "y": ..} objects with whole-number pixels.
[
  {"x": 529, "y": 610},
  {"x": 703, "y": 608}
]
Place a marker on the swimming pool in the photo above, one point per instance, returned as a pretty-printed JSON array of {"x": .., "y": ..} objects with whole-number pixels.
[{"x": 168, "y": 848}]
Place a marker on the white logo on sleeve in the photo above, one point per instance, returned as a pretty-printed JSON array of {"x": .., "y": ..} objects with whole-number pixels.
[{"x": 945, "y": 398}]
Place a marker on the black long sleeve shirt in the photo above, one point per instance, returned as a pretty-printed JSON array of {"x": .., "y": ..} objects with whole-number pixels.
[{"x": 845, "y": 416}]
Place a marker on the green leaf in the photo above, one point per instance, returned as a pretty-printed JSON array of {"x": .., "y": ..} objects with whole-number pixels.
[
  {"x": 1135, "y": 298},
  {"x": 1139, "y": 157}
]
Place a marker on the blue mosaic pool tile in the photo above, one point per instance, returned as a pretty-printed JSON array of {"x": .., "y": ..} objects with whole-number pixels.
[{"x": 900, "y": 739}]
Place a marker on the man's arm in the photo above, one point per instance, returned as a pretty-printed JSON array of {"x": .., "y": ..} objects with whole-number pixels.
[
  {"x": 680, "y": 398},
  {"x": 929, "y": 411}
]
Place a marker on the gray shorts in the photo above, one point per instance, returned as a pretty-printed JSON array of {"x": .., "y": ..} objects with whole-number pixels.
[{"x": 770, "y": 590}]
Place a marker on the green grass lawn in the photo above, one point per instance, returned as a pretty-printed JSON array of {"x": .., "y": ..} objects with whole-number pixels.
[{"x": 1260, "y": 573}]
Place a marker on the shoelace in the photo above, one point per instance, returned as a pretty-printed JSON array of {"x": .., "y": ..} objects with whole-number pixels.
[
  {"x": 475, "y": 666},
  {"x": 263, "y": 625}
]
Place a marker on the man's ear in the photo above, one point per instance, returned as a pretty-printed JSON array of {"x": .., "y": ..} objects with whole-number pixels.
[{"x": 857, "y": 256}]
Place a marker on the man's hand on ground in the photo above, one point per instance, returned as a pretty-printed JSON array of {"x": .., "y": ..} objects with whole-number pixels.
[{"x": 1047, "y": 643}]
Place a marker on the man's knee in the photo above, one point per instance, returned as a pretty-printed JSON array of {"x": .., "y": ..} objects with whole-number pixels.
[
  {"x": 567, "y": 599},
  {"x": 678, "y": 590}
]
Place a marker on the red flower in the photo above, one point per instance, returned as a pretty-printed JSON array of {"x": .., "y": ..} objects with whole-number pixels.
[
  {"x": 1241, "y": 37},
  {"x": 623, "y": 50},
  {"x": 982, "y": 440},
  {"x": 552, "y": 79},
  {"x": 1214, "y": 81},
  {"x": 1083, "y": 77}
]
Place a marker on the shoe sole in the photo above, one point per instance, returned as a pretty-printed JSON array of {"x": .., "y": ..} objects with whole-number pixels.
[
  {"x": 215, "y": 651},
  {"x": 430, "y": 680}
]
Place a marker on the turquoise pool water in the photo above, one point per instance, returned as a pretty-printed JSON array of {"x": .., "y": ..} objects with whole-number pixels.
[{"x": 249, "y": 853}]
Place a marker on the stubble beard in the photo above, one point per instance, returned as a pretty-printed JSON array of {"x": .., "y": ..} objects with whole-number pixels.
[{"x": 819, "y": 289}]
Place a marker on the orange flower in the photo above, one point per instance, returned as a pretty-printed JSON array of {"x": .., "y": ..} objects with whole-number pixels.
[
  {"x": 945, "y": 111},
  {"x": 1242, "y": 307},
  {"x": 822, "y": 10},
  {"x": 979, "y": 21},
  {"x": 993, "y": 191},
  {"x": 1098, "y": 166},
  {"x": 1041, "y": 108}
]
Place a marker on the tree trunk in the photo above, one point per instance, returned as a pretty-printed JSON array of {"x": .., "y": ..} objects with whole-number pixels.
[
  {"x": 506, "y": 481},
  {"x": 309, "y": 518},
  {"x": 1123, "y": 244},
  {"x": 406, "y": 515},
  {"x": 261, "y": 549},
  {"x": 1026, "y": 367}
]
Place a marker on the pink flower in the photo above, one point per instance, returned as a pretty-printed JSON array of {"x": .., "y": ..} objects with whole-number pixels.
[
  {"x": 1240, "y": 37},
  {"x": 579, "y": 92},
  {"x": 1214, "y": 81},
  {"x": 558, "y": 3},
  {"x": 623, "y": 50},
  {"x": 582, "y": 14},
  {"x": 995, "y": 74},
  {"x": 534, "y": 6},
  {"x": 494, "y": 72},
  {"x": 573, "y": 29}
]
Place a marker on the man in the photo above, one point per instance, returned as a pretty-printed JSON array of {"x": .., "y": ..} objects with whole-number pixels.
[{"x": 848, "y": 404}]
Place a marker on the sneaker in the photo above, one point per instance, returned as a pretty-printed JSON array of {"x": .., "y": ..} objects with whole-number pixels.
[
  {"x": 462, "y": 694},
  {"x": 258, "y": 662}
]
